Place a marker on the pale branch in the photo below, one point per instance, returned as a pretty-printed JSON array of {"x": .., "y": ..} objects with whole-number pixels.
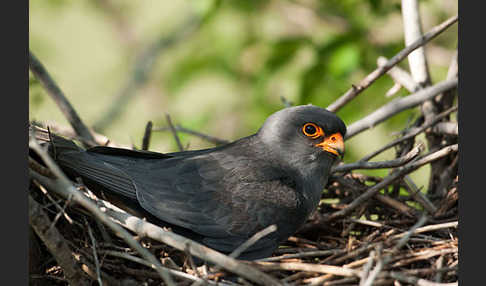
[
  {"x": 411, "y": 133},
  {"x": 380, "y": 165},
  {"x": 448, "y": 128},
  {"x": 252, "y": 240},
  {"x": 66, "y": 189},
  {"x": 400, "y": 76},
  {"x": 402, "y": 171},
  {"x": 378, "y": 72},
  {"x": 412, "y": 27},
  {"x": 40, "y": 72},
  {"x": 397, "y": 105}
]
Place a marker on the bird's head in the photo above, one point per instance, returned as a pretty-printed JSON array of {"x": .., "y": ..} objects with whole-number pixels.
[{"x": 304, "y": 136}]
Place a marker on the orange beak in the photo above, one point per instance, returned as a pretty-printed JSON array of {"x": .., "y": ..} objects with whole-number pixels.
[{"x": 333, "y": 144}]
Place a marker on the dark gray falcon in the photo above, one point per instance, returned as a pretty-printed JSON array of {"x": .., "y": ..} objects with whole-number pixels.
[{"x": 222, "y": 196}]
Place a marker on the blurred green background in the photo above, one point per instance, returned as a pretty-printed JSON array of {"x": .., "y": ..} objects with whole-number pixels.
[{"x": 227, "y": 70}]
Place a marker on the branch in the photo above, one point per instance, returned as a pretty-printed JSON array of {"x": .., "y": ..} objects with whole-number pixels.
[
  {"x": 400, "y": 76},
  {"x": 411, "y": 133},
  {"x": 382, "y": 164},
  {"x": 413, "y": 31},
  {"x": 206, "y": 137},
  {"x": 57, "y": 95},
  {"x": 397, "y": 105},
  {"x": 410, "y": 167},
  {"x": 373, "y": 76}
]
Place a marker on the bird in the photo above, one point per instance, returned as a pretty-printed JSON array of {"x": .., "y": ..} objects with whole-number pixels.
[{"x": 222, "y": 196}]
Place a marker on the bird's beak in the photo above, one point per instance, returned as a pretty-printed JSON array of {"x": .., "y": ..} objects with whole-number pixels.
[{"x": 333, "y": 144}]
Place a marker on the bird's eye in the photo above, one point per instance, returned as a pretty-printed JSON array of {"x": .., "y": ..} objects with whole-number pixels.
[{"x": 312, "y": 130}]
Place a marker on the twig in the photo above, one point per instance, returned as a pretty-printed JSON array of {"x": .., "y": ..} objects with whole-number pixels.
[
  {"x": 410, "y": 167},
  {"x": 56, "y": 244},
  {"x": 146, "y": 136},
  {"x": 400, "y": 76},
  {"x": 448, "y": 128},
  {"x": 397, "y": 105},
  {"x": 368, "y": 80},
  {"x": 95, "y": 255},
  {"x": 382, "y": 164},
  {"x": 57, "y": 95},
  {"x": 428, "y": 228},
  {"x": 417, "y": 195},
  {"x": 413, "y": 31},
  {"x": 411, "y": 133},
  {"x": 318, "y": 268},
  {"x": 143, "y": 262},
  {"x": 206, "y": 137},
  {"x": 252, "y": 240},
  {"x": 174, "y": 132}
]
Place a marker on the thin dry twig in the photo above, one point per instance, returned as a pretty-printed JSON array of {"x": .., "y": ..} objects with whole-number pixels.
[
  {"x": 382, "y": 164},
  {"x": 373, "y": 76},
  {"x": 412, "y": 166},
  {"x": 397, "y": 105},
  {"x": 174, "y": 132},
  {"x": 40, "y": 72}
]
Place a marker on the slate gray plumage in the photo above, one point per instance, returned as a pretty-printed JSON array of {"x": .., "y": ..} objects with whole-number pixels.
[{"x": 223, "y": 195}]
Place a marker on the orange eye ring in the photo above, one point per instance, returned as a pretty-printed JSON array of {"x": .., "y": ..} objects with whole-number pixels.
[{"x": 312, "y": 130}]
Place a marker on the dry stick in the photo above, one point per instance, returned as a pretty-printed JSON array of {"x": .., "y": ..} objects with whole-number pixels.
[
  {"x": 448, "y": 128},
  {"x": 146, "y": 136},
  {"x": 143, "y": 66},
  {"x": 95, "y": 255},
  {"x": 373, "y": 76},
  {"x": 410, "y": 167},
  {"x": 147, "y": 229},
  {"x": 206, "y": 137},
  {"x": 56, "y": 244},
  {"x": 399, "y": 75},
  {"x": 174, "y": 132},
  {"x": 382, "y": 164},
  {"x": 412, "y": 27},
  {"x": 397, "y": 105},
  {"x": 299, "y": 266},
  {"x": 411, "y": 133},
  {"x": 63, "y": 187},
  {"x": 428, "y": 228},
  {"x": 143, "y": 262},
  {"x": 57, "y": 95},
  {"x": 316, "y": 253},
  {"x": 252, "y": 240},
  {"x": 418, "y": 196}
]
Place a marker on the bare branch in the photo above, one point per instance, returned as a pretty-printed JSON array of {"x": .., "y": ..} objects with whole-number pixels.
[
  {"x": 410, "y": 167},
  {"x": 382, "y": 164},
  {"x": 174, "y": 132},
  {"x": 397, "y": 105},
  {"x": 368, "y": 80},
  {"x": 400, "y": 76},
  {"x": 206, "y": 137},
  {"x": 412, "y": 27},
  {"x": 411, "y": 133},
  {"x": 40, "y": 72}
]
